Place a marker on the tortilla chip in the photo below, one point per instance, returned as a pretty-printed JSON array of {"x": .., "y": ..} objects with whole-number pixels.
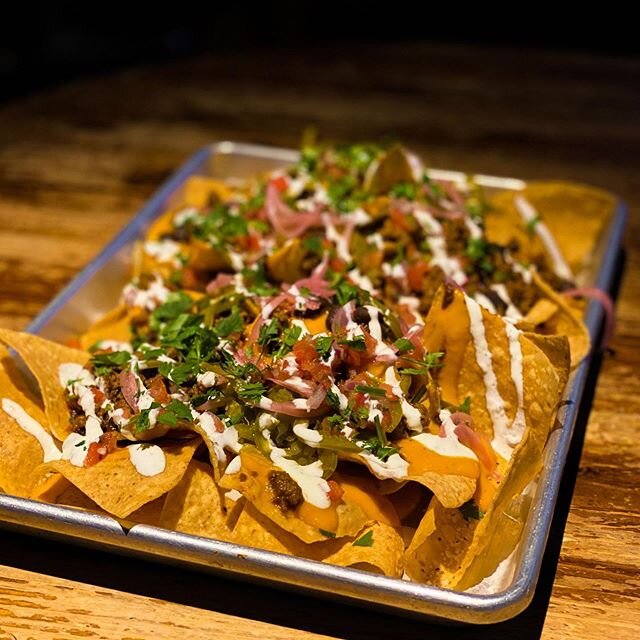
[
  {"x": 252, "y": 482},
  {"x": 200, "y": 191},
  {"x": 43, "y": 358},
  {"x": 196, "y": 506},
  {"x": 557, "y": 349},
  {"x": 115, "y": 485},
  {"x": 565, "y": 322},
  {"x": 114, "y": 325},
  {"x": 379, "y": 549},
  {"x": 562, "y": 206},
  {"x": 20, "y": 452},
  {"x": 448, "y": 556}
]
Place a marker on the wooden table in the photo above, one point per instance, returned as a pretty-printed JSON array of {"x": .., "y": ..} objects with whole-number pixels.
[{"x": 77, "y": 162}]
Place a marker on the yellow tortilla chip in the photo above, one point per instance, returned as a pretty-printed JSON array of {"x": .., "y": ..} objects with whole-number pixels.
[
  {"x": 43, "y": 358},
  {"x": 307, "y": 521},
  {"x": 378, "y": 547},
  {"x": 448, "y": 556},
  {"x": 114, "y": 325},
  {"x": 196, "y": 506},
  {"x": 565, "y": 322},
  {"x": 115, "y": 485},
  {"x": 562, "y": 206},
  {"x": 20, "y": 452}
]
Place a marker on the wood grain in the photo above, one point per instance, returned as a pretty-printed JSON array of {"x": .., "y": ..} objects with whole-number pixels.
[{"x": 77, "y": 162}]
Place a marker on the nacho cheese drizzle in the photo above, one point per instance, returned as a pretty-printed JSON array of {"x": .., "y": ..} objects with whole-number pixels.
[
  {"x": 495, "y": 403},
  {"x": 530, "y": 216},
  {"x": 33, "y": 427},
  {"x": 148, "y": 459}
]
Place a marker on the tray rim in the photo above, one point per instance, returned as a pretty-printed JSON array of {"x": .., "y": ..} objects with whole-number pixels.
[{"x": 402, "y": 597}]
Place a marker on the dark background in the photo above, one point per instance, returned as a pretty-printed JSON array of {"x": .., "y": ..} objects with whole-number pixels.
[{"x": 44, "y": 44}]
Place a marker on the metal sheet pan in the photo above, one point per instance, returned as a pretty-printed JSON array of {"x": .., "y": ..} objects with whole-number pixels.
[{"x": 96, "y": 289}]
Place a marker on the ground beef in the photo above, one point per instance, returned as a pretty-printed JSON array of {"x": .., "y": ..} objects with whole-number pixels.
[
  {"x": 456, "y": 236},
  {"x": 523, "y": 295},
  {"x": 287, "y": 495},
  {"x": 77, "y": 418}
]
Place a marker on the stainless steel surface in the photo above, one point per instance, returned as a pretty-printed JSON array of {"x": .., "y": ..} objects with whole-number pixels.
[{"x": 96, "y": 289}]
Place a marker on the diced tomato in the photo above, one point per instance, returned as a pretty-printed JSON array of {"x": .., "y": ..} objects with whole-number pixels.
[
  {"x": 98, "y": 396},
  {"x": 280, "y": 183},
  {"x": 158, "y": 391},
  {"x": 93, "y": 455},
  {"x": 399, "y": 219},
  {"x": 308, "y": 360},
  {"x": 337, "y": 264},
  {"x": 99, "y": 450},
  {"x": 74, "y": 343},
  {"x": 415, "y": 275},
  {"x": 335, "y": 491},
  {"x": 250, "y": 242}
]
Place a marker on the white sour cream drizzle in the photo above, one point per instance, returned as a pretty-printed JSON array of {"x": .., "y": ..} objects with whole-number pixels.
[
  {"x": 410, "y": 413},
  {"x": 530, "y": 216},
  {"x": 495, "y": 403},
  {"x": 515, "y": 434},
  {"x": 150, "y": 298},
  {"x": 449, "y": 445},
  {"x": 308, "y": 436},
  {"x": 164, "y": 251},
  {"x": 375, "y": 329},
  {"x": 438, "y": 245},
  {"x": 394, "y": 466},
  {"x": 484, "y": 301},
  {"x": 77, "y": 380},
  {"x": 148, "y": 459},
  {"x": 362, "y": 281},
  {"x": 315, "y": 489},
  {"x": 32, "y": 427},
  {"x": 221, "y": 440},
  {"x": 340, "y": 240},
  {"x": 512, "y": 312}
]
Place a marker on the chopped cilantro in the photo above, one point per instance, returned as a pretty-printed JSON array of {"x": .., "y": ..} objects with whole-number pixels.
[
  {"x": 313, "y": 244},
  {"x": 465, "y": 405},
  {"x": 345, "y": 292},
  {"x": 177, "y": 303},
  {"x": 323, "y": 345},
  {"x": 142, "y": 421},
  {"x": 250, "y": 391},
  {"x": 289, "y": 337},
  {"x": 103, "y": 363},
  {"x": 357, "y": 343},
  {"x": 174, "y": 412},
  {"x": 530, "y": 226},
  {"x": 231, "y": 324},
  {"x": 365, "y": 541},
  {"x": 404, "y": 190},
  {"x": 403, "y": 345},
  {"x": 430, "y": 361},
  {"x": 269, "y": 333}
]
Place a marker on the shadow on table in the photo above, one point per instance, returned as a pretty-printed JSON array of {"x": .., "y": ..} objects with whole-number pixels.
[{"x": 245, "y": 600}]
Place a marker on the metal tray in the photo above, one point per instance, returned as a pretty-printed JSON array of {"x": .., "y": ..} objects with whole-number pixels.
[{"x": 96, "y": 290}]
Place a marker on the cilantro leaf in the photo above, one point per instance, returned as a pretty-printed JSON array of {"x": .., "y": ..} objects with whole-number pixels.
[
  {"x": 231, "y": 324},
  {"x": 289, "y": 337},
  {"x": 323, "y": 346},
  {"x": 250, "y": 391},
  {"x": 403, "y": 345},
  {"x": 365, "y": 541},
  {"x": 103, "y": 363},
  {"x": 357, "y": 343},
  {"x": 175, "y": 412},
  {"x": 345, "y": 292}
]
